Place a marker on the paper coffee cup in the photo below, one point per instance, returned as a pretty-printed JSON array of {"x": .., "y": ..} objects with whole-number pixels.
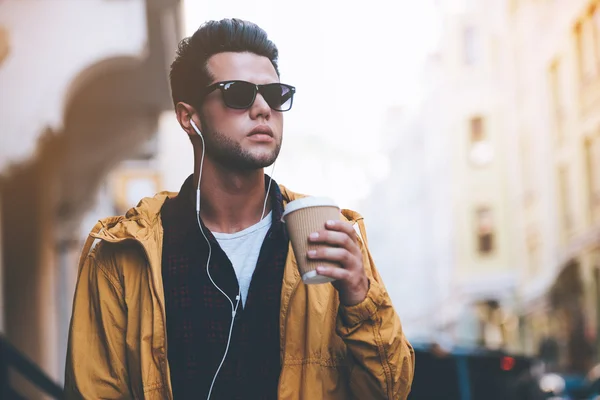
[{"x": 303, "y": 217}]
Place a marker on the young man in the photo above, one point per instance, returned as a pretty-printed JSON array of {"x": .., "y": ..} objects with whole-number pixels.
[{"x": 198, "y": 295}]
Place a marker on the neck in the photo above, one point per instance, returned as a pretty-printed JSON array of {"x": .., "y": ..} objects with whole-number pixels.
[{"x": 230, "y": 201}]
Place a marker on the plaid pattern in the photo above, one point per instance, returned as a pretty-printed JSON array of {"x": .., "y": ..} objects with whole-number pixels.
[{"x": 199, "y": 316}]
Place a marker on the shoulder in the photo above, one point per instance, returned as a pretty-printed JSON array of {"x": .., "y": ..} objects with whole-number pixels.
[{"x": 119, "y": 259}]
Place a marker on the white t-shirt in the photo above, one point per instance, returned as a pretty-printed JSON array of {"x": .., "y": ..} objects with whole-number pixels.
[{"x": 242, "y": 249}]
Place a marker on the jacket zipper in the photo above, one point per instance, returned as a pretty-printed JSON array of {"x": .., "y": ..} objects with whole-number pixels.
[
  {"x": 164, "y": 359},
  {"x": 284, "y": 329}
]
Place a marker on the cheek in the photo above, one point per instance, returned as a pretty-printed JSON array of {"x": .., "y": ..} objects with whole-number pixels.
[
  {"x": 225, "y": 121},
  {"x": 277, "y": 122}
]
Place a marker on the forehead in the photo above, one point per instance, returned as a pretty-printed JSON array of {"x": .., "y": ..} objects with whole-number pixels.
[{"x": 241, "y": 66}]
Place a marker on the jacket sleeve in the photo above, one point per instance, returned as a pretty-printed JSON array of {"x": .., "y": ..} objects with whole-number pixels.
[
  {"x": 96, "y": 360},
  {"x": 383, "y": 359}
]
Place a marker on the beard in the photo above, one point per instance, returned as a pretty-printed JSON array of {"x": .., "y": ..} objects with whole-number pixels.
[{"x": 230, "y": 153}]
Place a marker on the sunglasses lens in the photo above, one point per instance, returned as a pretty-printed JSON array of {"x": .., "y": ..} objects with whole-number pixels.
[
  {"x": 239, "y": 95},
  {"x": 278, "y": 96}
]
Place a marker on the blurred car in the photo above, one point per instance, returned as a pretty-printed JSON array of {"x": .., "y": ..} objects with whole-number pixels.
[
  {"x": 468, "y": 374},
  {"x": 560, "y": 386}
]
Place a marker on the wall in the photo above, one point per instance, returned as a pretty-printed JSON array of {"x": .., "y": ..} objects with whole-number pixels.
[{"x": 37, "y": 76}]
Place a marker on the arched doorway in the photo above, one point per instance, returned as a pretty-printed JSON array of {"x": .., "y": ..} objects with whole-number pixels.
[
  {"x": 110, "y": 113},
  {"x": 567, "y": 304}
]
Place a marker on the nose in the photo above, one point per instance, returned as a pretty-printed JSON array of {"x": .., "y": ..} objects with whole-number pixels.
[{"x": 260, "y": 108}]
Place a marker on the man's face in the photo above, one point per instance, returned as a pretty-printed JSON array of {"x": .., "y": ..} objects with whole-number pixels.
[{"x": 228, "y": 132}]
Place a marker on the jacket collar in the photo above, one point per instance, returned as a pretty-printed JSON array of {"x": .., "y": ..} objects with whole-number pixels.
[
  {"x": 143, "y": 224},
  {"x": 183, "y": 207}
]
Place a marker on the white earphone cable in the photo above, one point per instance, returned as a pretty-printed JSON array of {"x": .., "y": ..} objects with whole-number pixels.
[
  {"x": 268, "y": 191},
  {"x": 234, "y": 308}
]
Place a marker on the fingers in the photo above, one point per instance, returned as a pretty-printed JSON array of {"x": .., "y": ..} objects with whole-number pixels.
[
  {"x": 342, "y": 226},
  {"x": 339, "y": 244},
  {"x": 333, "y": 254},
  {"x": 336, "y": 273},
  {"x": 337, "y": 234}
]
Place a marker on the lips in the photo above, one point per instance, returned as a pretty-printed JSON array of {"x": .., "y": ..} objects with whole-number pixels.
[{"x": 261, "y": 130}]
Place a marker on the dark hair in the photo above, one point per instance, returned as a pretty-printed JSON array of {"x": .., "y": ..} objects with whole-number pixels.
[{"x": 189, "y": 74}]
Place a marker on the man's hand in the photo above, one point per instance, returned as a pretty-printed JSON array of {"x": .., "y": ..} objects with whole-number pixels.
[{"x": 341, "y": 246}]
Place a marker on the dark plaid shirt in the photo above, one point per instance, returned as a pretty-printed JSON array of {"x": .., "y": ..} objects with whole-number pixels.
[{"x": 199, "y": 316}]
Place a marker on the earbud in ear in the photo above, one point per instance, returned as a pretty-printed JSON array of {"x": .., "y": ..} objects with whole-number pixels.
[{"x": 195, "y": 127}]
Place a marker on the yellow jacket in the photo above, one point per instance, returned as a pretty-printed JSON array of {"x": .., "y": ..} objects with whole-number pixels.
[{"x": 117, "y": 339}]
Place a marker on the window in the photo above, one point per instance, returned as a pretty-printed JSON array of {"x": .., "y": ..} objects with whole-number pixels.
[
  {"x": 131, "y": 185},
  {"x": 534, "y": 259},
  {"x": 587, "y": 49},
  {"x": 471, "y": 43},
  {"x": 596, "y": 29},
  {"x": 4, "y": 44},
  {"x": 533, "y": 251},
  {"x": 477, "y": 135},
  {"x": 564, "y": 197},
  {"x": 527, "y": 171},
  {"x": 485, "y": 230},
  {"x": 592, "y": 153},
  {"x": 557, "y": 99},
  {"x": 481, "y": 151}
]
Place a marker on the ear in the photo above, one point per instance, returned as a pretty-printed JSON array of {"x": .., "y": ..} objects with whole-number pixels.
[{"x": 185, "y": 113}]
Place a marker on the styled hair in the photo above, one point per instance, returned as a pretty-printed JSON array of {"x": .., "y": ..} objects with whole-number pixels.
[{"x": 189, "y": 74}]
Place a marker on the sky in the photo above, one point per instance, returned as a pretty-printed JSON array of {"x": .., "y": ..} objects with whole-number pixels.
[{"x": 350, "y": 65}]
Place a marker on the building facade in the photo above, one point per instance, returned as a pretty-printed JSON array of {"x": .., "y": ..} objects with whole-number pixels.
[
  {"x": 450, "y": 183},
  {"x": 76, "y": 99},
  {"x": 557, "y": 60},
  {"x": 514, "y": 92}
]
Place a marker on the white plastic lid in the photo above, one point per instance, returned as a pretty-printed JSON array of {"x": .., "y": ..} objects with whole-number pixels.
[{"x": 305, "y": 202}]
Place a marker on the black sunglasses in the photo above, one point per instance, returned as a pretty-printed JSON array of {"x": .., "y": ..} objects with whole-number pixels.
[{"x": 240, "y": 95}]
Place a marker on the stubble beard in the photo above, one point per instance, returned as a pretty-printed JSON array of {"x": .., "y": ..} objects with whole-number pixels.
[{"x": 230, "y": 153}]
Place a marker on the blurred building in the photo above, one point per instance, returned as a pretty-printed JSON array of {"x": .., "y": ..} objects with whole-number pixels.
[
  {"x": 557, "y": 139},
  {"x": 449, "y": 186},
  {"x": 501, "y": 161},
  {"x": 476, "y": 89},
  {"x": 83, "y": 86}
]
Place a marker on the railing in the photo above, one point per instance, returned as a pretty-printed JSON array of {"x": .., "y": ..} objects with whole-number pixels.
[{"x": 11, "y": 358}]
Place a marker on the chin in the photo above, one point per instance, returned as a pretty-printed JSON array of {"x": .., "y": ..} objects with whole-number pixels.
[
  {"x": 264, "y": 163},
  {"x": 250, "y": 163},
  {"x": 265, "y": 159}
]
